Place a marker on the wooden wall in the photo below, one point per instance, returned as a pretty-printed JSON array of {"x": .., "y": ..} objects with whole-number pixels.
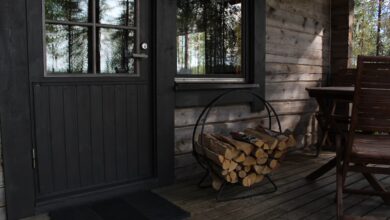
[
  {"x": 342, "y": 21},
  {"x": 297, "y": 57}
]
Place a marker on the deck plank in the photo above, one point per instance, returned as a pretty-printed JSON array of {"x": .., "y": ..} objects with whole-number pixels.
[{"x": 295, "y": 199}]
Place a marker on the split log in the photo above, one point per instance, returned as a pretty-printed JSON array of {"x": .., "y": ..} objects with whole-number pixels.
[
  {"x": 240, "y": 158},
  {"x": 258, "y": 169},
  {"x": 266, "y": 170},
  {"x": 249, "y": 180},
  {"x": 259, "y": 178},
  {"x": 260, "y": 153},
  {"x": 273, "y": 164},
  {"x": 291, "y": 142},
  {"x": 233, "y": 177},
  {"x": 233, "y": 165},
  {"x": 216, "y": 158},
  {"x": 249, "y": 161},
  {"x": 268, "y": 140},
  {"x": 247, "y": 169},
  {"x": 261, "y": 161},
  {"x": 219, "y": 147},
  {"x": 278, "y": 154},
  {"x": 217, "y": 182},
  {"x": 242, "y": 174},
  {"x": 242, "y": 146},
  {"x": 241, "y": 136}
]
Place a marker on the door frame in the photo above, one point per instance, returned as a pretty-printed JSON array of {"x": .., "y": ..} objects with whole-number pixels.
[{"x": 24, "y": 17}]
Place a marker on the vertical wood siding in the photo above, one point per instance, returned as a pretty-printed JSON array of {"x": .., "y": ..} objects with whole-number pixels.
[
  {"x": 297, "y": 56},
  {"x": 95, "y": 140}
]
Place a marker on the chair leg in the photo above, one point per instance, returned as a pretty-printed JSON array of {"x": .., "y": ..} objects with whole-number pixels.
[
  {"x": 377, "y": 186},
  {"x": 339, "y": 193},
  {"x": 340, "y": 179}
]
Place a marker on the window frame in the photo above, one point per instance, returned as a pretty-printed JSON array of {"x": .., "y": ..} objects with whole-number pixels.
[
  {"x": 225, "y": 78},
  {"x": 94, "y": 25},
  {"x": 199, "y": 93}
]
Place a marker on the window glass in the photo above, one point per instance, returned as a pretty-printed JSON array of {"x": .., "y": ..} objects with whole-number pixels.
[
  {"x": 67, "y": 10},
  {"x": 66, "y": 49},
  {"x": 116, "y": 47},
  {"x": 209, "y": 37},
  {"x": 81, "y": 38},
  {"x": 371, "y": 29},
  {"x": 117, "y": 12}
]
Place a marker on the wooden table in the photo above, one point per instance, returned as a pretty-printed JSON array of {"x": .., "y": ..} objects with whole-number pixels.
[{"x": 324, "y": 96}]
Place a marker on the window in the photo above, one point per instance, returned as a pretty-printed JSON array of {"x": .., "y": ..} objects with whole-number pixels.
[
  {"x": 209, "y": 41},
  {"x": 371, "y": 29},
  {"x": 90, "y": 36}
]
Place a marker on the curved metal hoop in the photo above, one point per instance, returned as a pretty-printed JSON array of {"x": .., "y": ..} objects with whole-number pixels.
[
  {"x": 201, "y": 122},
  {"x": 206, "y": 111}
]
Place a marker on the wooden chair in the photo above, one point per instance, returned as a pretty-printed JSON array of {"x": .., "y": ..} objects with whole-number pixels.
[{"x": 368, "y": 145}]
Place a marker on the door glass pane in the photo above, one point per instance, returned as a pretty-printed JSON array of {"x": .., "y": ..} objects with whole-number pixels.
[
  {"x": 116, "y": 48},
  {"x": 209, "y": 37},
  {"x": 117, "y": 12},
  {"x": 67, "y": 49},
  {"x": 67, "y": 10}
]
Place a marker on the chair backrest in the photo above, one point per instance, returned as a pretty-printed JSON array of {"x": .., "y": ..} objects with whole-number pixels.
[
  {"x": 371, "y": 110},
  {"x": 344, "y": 77}
]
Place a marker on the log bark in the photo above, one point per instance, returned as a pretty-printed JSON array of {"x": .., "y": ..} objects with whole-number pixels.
[
  {"x": 242, "y": 146},
  {"x": 268, "y": 140}
]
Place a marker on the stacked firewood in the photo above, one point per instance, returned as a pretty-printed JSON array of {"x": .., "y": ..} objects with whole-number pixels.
[{"x": 245, "y": 157}]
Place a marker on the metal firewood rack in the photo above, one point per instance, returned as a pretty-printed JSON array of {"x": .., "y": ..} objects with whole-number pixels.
[{"x": 207, "y": 164}]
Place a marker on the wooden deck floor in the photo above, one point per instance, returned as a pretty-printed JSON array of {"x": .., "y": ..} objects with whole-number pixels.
[{"x": 295, "y": 199}]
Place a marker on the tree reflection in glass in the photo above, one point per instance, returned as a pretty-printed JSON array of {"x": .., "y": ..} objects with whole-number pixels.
[
  {"x": 67, "y": 10},
  {"x": 116, "y": 12},
  {"x": 209, "y": 37},
  {"x": 66, "y": 49},
  {"x": 71, "y": 45},
  {"x": 116, "y": 47}
]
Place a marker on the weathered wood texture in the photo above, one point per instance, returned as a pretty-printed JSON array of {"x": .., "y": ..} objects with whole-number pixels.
[
  {"x": 296, "y": 198},
  {"x": 2, "y": 193},
  {"x": 297, "y": 57},
  {"x": 341, "y": 22}
]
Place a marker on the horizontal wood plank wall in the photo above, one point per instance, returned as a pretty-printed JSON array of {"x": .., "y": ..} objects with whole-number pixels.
[{"x": 297, "y": 57}]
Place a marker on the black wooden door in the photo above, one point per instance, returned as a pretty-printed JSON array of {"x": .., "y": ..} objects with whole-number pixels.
[{"x": 94, "y": 134}]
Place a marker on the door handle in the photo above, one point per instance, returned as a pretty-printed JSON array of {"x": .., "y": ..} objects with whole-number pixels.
[{"x": 140, "y": 56}]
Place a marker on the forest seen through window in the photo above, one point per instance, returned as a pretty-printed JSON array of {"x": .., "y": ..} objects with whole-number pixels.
[
  {"x": 371, "y": 30},
  {"x": 81, "y": 39},
  {"x": 209, "y": 37}
]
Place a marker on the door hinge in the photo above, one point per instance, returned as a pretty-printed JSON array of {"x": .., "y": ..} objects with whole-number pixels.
[{"x": 34, "y": 158}]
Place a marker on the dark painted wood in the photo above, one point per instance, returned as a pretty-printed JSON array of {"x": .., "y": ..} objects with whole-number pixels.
[
  {"x": 15, "y": 118},
  {"x": 132, "y": 122},
  {"x": 43, "y": 139},
  {"x": 109, "y": 133},
  {"x": 164, "y": 69},
  {"x": 84, "y": 110},
  {"x": 145, "y": 152},
  {"x": 215, "y": 86},
  {"x": 97, "y": 134},
  {"x": 72, "y": 137},
  {"x": 121, "y": 132},
  {"x": 257, "y": 33},
  {"x": 58, "y": 161}
]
